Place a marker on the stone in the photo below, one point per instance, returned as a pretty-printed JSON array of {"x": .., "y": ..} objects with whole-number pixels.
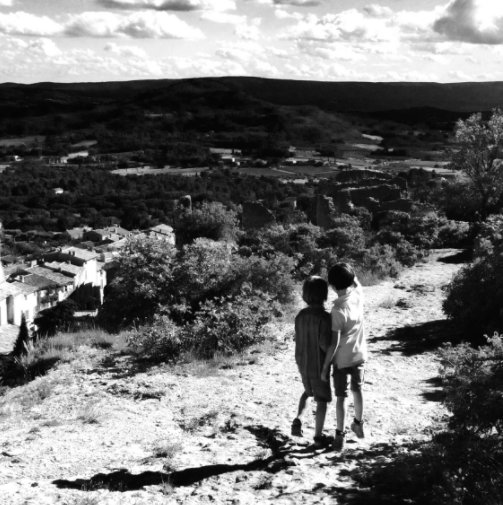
[{"x": 256, "y": 215}]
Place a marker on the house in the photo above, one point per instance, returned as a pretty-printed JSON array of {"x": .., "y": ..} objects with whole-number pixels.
[
  {"x": 162, "y": 232},
  {"x": 112, "y": 233}
]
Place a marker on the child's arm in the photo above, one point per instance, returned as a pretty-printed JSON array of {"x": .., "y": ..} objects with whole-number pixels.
[{"x": 330, "y": 355}]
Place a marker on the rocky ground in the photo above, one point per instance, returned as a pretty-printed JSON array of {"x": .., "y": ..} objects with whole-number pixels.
[{"x": 105, "y": 430}]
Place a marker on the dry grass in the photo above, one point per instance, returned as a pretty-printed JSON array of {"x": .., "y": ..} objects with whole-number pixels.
[
  {"x": 388, "y": 302},
  {"x": 90, "y": 413}
]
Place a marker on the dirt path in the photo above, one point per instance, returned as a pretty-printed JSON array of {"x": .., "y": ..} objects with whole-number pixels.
[{"x": 90, "y": 434}]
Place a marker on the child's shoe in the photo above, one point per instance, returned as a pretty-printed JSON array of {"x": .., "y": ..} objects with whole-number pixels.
[
  {"x": 357, "y": 428},
  {"x": 340, "y": 440},
  {"x": 322, "y": 441},
  {"x": 296, "y": 427}
]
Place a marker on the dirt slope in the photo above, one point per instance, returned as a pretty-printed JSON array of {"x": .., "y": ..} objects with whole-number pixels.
[{"x": 105, "y": 432}]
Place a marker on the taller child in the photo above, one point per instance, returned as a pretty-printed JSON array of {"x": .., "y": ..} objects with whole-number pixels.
[{"x": 348, "y": 350}]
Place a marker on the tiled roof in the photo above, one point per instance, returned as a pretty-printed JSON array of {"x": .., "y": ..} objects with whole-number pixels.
[
  {"x": 24, "y": 288},
  {"x": 38, "y": 281},
  {"x": 82, "y": 254},
  {"x": 162, "y": 228},
  {"x": 67, "y": 268},
  {"x": 59, "y": 278}
]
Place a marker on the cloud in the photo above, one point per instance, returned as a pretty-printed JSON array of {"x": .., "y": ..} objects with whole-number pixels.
[
  {"x": 349, "y": 25},
  {"x": 473, "y": 21},
  {"x": 126, "y": 51},
  {"x": 223, "y": 17},
  {"x": 6, "y": 3},
  {"x": 171, "y": 5},
  {"x": 378, "y": 11},
  {"x": 23, "y": 23},
  {"x": 144, "y": 24},
  {"x": 298, "y": 3}
]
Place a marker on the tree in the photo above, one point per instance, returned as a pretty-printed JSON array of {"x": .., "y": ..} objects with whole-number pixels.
[
  {"x": 481, "y": 157},
  {"x": 22, "y": 341},
  {"x": 141, "y": 286}
]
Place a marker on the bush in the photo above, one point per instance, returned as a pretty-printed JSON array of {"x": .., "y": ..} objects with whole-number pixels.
[
  {"x": 160, "y": 339},
  {"x": 141, "y": 286},
  {"x": 473, "y": 382},
  {"x": 272, "y": 276},
  {"x": 230, "y": 324},
  {"x": 380, "y": 261},
  {"x": 405, "y": 252},
  {"x": 474, "y": 296},
  {"x": 211, "y": 220},
  {"x": 489, "y": 237}
]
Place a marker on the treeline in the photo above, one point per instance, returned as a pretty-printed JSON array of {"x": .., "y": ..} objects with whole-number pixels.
[{"x": 98, "y": 198}]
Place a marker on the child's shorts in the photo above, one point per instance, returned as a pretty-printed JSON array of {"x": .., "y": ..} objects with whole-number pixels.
[
  {"x": 317, "y": 388},
  {"x": 341, "y": 379}
]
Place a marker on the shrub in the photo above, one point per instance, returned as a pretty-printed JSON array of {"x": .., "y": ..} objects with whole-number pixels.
[
  {"x": 380, "y": 261},
  {"x": 211, "y": 220},
  {"x": 453, "y": 234},
  {"x": 141, "y": 286},
  {"x": 230, "y": 324},
  {"x": 160, "y": 339},
  {"x": 272, "y": 276},
  {"x": 405, "y": 252},
  {"x": 473, "y": 382},
  {"x": 204, "y": 269},
  {"x": 474, "y": 296},
  {"x": 489, "y": 237},
  {"x": 57, "y": 318}
]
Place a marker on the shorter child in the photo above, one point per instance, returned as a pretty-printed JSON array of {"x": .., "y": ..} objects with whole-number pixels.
[
  {"x": 312, "y": 339},
  {"x": 348, "y": 351}
]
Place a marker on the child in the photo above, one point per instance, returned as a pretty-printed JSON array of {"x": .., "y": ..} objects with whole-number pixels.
[
  {"x": 312, "y": 338},
  {"x": 348, "y": 350}
]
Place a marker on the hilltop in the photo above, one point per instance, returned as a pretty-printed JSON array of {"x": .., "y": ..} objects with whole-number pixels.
[{"x": 102, "y": 430}]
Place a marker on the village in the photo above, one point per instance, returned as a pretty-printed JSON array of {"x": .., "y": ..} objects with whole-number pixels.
[{"x": 31, "y": 285}]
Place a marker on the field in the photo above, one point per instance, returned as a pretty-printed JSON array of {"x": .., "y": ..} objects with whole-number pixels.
[{"x": 18, "y": 141}]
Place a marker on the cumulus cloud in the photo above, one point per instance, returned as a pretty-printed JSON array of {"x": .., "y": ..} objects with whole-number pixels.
[
  {"x": 6, "y": 3},
  {"x": 23, "y": 23},
  {"x": 143, "y": 24},
  {"x": 171, "y": 5},
  {"x": 473, "y": 21},
  {"x": 298, "y": 3},
  {"x": 126, "y": 51},
  {"x": 344, "y": 26}
]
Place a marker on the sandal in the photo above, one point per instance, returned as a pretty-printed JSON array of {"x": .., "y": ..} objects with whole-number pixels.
[
  {"x": 322, "y": 441},
  {"x": 297, "y": 428}
]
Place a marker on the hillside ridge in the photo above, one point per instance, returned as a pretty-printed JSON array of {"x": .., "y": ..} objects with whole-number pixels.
[{"x": 106, "y": 430}]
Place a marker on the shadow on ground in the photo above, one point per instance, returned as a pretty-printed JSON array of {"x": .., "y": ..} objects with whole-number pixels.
[
  {"x": 464, "y": 256},
  {"x": 416, "y": 339},
  {"x": 122, "y": 480}
]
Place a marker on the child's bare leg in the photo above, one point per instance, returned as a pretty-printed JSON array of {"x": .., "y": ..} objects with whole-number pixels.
[
  {"x": 321, "y": 412},
  {"x": 302, "y": 404},
  {"x": 358, "y": 401},
  {"x": 340, "y": 410}
]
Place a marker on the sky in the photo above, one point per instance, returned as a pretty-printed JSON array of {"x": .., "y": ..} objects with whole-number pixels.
[{"x": 327, "y": 40}]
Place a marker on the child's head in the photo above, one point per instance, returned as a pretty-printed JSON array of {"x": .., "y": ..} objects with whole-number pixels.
[
  {"x": 315, "y": 290},
  {"x": 341, "y": 276}
]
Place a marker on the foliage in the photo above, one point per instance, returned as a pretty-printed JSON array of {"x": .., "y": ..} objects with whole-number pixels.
[
  {"x": 23, "y": 339},
  {"x": 473, "y": 382},
  {"x": 474, "y": 296},
  {"x": 160, "y": 339},
  {"x": 479, "y": 156},
  {"x": 490, "y": 237},
  {"x": 57, "y": 318},
  {"x": 405, "y": 252},
  {"x": 230, "y": 324},
  {"x": 141, "y": 286},
  {"x": 211, "y": 220},
  {"x": 380, "y": 261}
]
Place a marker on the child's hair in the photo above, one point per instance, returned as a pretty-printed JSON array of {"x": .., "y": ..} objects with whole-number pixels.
[
  {"x": 341, "y": 276},
  {"x": 315, "y": 290}
]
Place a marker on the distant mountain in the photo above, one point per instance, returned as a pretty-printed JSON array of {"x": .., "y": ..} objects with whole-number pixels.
[{"x": 47, "y": 98}]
